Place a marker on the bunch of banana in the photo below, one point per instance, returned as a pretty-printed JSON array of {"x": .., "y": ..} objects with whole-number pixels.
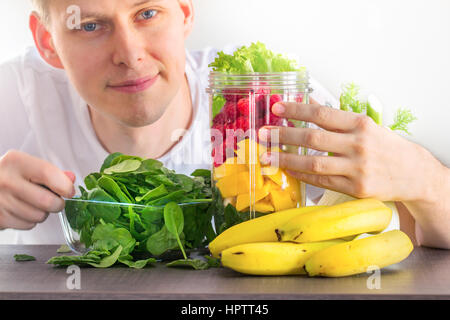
[{"x": 317, "y": 241}]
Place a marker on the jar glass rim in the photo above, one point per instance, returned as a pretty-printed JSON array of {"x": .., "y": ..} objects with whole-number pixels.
[{"x": 291, "y": 80}]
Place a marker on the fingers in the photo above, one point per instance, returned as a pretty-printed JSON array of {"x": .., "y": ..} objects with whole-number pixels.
[
  {"x": 23, "y": 210},
  {"x": 317, "y": 165},
  {"x": 41, "y": 172},
  {"x": 325, "y": 117},
  {"x": 24, "y": 197},
  {"x": 335, "y": 183},
  {"x": 309, "y": 138},
  {"x": 9, "y": 221},
  {"x": 39, "y": 197}
]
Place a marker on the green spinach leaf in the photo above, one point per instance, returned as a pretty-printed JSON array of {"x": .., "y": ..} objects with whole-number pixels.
[
  {"x": 109, "y": 159},
  {"x": 138, "y": 264},
  {"x": 110, "y": 186},
  {"x": 24, "y": 257},
  {"x": 107, "y": 237},
  {"x": 196, "y": 264},
  {"x": 153, "y": 194},
  {"x": 108, "y": 261},
  {"x": 125, "y": 166},
  {"x": 174, "y": 222},
  {"x": 161, "y": 241}
]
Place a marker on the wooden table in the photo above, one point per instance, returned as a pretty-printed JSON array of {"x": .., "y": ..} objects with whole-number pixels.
[{"x": 424, "y": 275}]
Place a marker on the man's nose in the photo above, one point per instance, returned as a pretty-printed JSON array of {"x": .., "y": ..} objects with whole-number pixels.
[{"x": 128, "y": 48}]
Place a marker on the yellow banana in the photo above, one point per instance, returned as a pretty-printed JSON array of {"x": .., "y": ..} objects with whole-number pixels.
[
  {"x": 357, "y": 256},
  {"x": 272, "y": 258},
  {"x": 337, "y": 221},
  {"x": 260, "y": 229},
  {"x": 331, "y": 197}
]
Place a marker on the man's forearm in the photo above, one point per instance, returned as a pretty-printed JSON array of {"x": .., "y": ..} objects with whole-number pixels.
[{"x": 432, "y": 212}]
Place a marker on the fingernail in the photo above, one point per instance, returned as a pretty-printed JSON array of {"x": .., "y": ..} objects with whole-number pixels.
[
  {"x": 265, "y": 158},
  {"x": 278, "y": 108},
  {"x": 264, "y": 134}
]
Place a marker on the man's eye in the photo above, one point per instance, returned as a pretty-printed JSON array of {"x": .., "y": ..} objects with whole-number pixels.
[
  {"x": 148, "y": 14},
  {"x": 90, "y": 27}
]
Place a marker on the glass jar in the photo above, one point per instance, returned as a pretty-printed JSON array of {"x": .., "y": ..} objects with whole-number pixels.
[{"x": 240, "y": 104}]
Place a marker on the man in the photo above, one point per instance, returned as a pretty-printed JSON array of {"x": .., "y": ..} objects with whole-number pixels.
[{"x": 123, "y": 82}]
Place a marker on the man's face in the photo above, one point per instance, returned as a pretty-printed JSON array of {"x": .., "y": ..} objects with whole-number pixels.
[{"x": 127, "y": 61}]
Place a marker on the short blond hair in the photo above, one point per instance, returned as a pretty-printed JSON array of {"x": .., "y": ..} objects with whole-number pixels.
[{"x": 41, "y": 7}]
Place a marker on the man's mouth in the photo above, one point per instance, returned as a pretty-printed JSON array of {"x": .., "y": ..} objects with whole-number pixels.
[{"x": 134, "y": 86}]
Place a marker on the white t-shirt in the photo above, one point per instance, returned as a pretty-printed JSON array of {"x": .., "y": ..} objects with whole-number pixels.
[{"x": 42, "y": 114}]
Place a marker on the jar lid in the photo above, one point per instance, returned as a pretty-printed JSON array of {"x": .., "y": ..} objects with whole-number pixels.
[{"x": 297, "y": 81}]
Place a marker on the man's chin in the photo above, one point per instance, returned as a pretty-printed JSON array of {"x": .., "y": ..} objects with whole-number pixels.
[
  {"x": 140, "y": 120},
  {"x": 135, "y": 123}
]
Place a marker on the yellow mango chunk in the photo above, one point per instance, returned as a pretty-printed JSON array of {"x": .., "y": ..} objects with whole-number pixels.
[
  {"x": 293, "y": 187},
  {"x": 246, "y": 149},
  {"x": 264, "y": 206},
  {"x": 280, "y": 199},
  {"x": 286, "y": 182},
  {"x": 244, "y": 200},
  {"x": 233, "y": 185},
  {"x": 275, "y": 174},
  {"x": 248, "y": 153},
  {"x": 230, "y": 167}
]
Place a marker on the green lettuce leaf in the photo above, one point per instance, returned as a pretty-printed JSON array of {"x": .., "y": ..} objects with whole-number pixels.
[{"x": 254, "y": 58}]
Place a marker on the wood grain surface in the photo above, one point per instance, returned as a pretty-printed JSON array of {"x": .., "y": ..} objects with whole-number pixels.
[{"x": 424, "y": 275}]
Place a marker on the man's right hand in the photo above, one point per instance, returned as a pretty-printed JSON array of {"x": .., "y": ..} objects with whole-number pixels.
[{"x": 24, "y": 199}]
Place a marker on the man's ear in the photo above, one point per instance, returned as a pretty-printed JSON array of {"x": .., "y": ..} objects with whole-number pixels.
[
  {"x": 43, "y": 41},
  {"x": 188, "y": 10}
]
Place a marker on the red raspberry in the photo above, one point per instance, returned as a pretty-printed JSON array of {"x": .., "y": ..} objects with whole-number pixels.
[
  {"x": 242, "y": 123},
  {"x": 262, "y": 94},
  {"x": 230, "y": 111},
  {"x": 274, "y": 99},
  {"x": 220, "y": 118},
  {"x": 243, "y": 106}
]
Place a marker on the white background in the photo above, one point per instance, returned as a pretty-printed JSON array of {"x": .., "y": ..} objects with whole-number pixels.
[{"x": 396, "y": 49}]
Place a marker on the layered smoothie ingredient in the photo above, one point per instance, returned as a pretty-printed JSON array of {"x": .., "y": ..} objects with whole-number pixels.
[{"x": 244, "y": 86}]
